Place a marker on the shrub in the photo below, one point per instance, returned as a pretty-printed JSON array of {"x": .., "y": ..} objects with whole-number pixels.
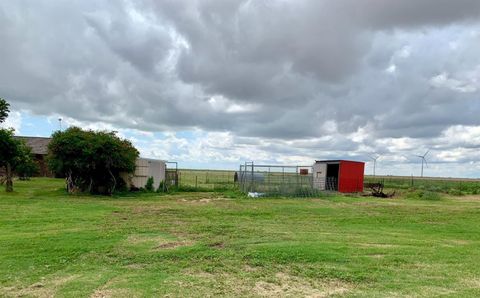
[
  {"x": 455, "y": 192},
  {"x": 26, "y": 166},
  {"x": 162, "y": 187},
  {"x": 91, "y": 161},
  {"x": 424, "y": 195},
  {"x": 149, "y": 185}
]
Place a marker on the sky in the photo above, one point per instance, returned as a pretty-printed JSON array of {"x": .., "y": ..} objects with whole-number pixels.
[{"x": 212, "y": 84}]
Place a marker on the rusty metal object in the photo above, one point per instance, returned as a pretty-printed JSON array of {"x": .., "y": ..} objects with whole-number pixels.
[{"x": 377, "y": 190}]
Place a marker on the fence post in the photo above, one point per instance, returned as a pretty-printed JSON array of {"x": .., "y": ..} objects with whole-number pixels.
[
  {"x": 196, "y": 181},
  {"x": 253, "y": 181}
]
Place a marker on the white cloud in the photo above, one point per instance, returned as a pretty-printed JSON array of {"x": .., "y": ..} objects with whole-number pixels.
[
  {"x": 14, "y": 121},
  {"x": 469, "y": 84}
]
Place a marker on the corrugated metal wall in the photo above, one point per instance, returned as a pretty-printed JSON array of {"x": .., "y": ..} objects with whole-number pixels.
[
  {"x": 319, "y": 175},
  {"x": 146, "y": 168},
  {"x": 351, "y": 176}
]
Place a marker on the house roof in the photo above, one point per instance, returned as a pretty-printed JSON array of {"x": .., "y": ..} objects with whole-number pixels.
[
  {"x": 336, "y": 161},
  {"x": 38, "y": 145}
]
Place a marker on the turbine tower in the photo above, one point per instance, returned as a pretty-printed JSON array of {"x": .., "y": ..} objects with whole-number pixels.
[
  {"x": 422, "y": 157},
  {"x": 374, "y": 163}
]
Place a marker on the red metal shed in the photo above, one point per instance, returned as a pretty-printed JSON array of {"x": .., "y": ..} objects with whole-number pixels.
[{"x": 339, "y": 175}]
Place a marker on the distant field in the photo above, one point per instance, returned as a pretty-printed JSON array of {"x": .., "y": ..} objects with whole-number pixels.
[
  {"x": 208, "y": 244},
  {"x": 206, "y": 179},
  {"x": 453, "y": 186}
]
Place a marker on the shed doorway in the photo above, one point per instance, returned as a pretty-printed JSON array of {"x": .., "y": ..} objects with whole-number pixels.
[{"x": 332, "y": 176}]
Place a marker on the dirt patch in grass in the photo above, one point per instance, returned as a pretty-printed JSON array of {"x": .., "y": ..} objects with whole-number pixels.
[
  {"x": 203, "y": 200},
  {"x": 173, "y": 245},
  {"x": 107, "y": 293},
  {"x": 458, "y": 242},
  {"x": 43, "y": 289},
  {"x": 135, "y": 266},
  {"x": 376, "y": 256},
  {"x": 252, "y": 282},
  {"x": 218, "y": 245},
  {"x": 472, "y": 282},
  {"x": 378, "y": 245},
  {"x": 292, "y": 286},
  {"x": 156, "y": 242}
]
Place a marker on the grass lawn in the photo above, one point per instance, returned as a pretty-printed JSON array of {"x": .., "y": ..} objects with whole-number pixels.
[{"x": 213, "y": 244}]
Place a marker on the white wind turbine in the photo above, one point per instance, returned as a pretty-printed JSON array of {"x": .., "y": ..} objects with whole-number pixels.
[
  {"x": 422, "y": 157},
  {"x": 374, "y": 162}
]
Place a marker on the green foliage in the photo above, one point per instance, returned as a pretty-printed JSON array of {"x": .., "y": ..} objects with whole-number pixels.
[
  {"x": 162, "y": 187},
  {"x": 9, "y": 148},
  {"x": 455, "y": 192},
  {"x": 25, "y": 167},
  {"x": 149, "y": 185},
  {"x": 91, "y": 161},
  {"x": 15, "y": 154},
  {"x": 4, "y": 109},
  {"x": 424, "y": 195}
]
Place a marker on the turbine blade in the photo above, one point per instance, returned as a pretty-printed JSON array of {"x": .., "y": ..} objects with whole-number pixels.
[{"x": 426, "y": 153}]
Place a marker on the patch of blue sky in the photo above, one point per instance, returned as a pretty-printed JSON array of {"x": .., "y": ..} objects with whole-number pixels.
[{"x": 37, "y": 126}]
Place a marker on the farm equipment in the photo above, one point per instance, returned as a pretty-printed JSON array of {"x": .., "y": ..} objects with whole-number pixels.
[{"x": 377, "y": 190}]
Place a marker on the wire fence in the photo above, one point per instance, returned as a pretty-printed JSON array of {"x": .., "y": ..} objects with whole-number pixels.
[
  {"x": 453, "y": 186},
  {"x": 206, "y": 179},
  {"x": 299, "y": 181},
  {"x": 273, "y": 180}
]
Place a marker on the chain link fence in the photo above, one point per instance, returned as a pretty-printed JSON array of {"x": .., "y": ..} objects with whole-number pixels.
[{"x": 274, "y": 180}]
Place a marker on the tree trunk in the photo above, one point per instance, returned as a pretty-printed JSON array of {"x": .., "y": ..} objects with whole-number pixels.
[
  {"x": 69, "y": 182},
  {"x": 9, "y": 182},
  {"x": 114, "y": 183}
]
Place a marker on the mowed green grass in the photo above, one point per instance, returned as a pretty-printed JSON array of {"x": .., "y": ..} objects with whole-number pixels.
[{"x": 217, "y": 244}]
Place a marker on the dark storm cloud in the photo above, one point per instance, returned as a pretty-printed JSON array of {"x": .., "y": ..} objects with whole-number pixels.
[{"x": 279, "y": 70}]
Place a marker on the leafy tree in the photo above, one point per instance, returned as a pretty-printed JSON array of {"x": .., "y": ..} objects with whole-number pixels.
[
  {"x": 91, "y": 161},
  {"x": 25, "y": 167},
  {"x": 9, "y": 153},
  {"x": 16, "y": 156},
  {"x": 4, "y": 110}
]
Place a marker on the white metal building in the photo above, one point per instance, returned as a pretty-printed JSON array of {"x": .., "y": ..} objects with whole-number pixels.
[{"x": 145, "y": 168}]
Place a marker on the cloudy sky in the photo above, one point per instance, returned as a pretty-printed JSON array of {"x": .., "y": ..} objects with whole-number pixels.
[{"x": 212, "y": 84}]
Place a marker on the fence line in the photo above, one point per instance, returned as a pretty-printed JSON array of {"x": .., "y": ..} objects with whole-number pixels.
[
  {"x": 206, "y": 179},
  {"x": 274, "y": 180}
]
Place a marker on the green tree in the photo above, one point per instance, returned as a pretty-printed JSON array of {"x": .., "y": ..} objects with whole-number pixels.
[
  {"x": 4, "y": 110},
  {"x": 9, "y": 155},
  {"x": 25, "y": 166},
  {"x": 91, "y": 161},
  {"x": 15, "y": 155}
]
